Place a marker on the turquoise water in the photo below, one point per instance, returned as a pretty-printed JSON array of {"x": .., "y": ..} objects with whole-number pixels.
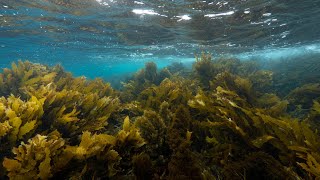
[{"x": 107, "y": 38}]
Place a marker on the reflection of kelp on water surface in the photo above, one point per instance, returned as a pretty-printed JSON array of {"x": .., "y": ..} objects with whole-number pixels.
[{"x": 222, "y": 120}]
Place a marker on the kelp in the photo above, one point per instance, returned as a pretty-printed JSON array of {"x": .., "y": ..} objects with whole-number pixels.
[
  {"x": 33, "y": 75},
  {"x": 93, "y": 151},
  {"x": 314, "y": 116},
  {"x": 301, "y": 98},
  {"x": 44, "y": 156},
  {"x": 24, "y": 74},
  {"x": 38, "y": 159},
  {"x": 71, "y": 111},
  {"x": 143, "y": 79},
  {"x": 224, "y": 119},
  {"x": 295, "y": 72},
  {"x": 257, "y": 165},
  {"x": 183, "y": 162},
  {"x": 154, "y": 130},
  {"x": 19, "y": 118},
  {"x": 255, "y": 129},
  {"x": 5, "y": 127},
  {"x": 178, "y": 68},
  {"x": 42, "y": 108},
  {"x": 129, "y": 136},
  {"x": 91, "y": 145},
  {"x": 205, "y": 69},
  {"x": 142, "y": 166},
  {"x": 173, "y": 91}
]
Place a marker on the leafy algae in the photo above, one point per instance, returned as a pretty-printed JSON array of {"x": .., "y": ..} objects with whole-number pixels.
[{"x": 224, "y": 119}]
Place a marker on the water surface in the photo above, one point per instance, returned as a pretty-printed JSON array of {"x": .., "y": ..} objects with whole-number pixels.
[{"x": 109, "y": 37}]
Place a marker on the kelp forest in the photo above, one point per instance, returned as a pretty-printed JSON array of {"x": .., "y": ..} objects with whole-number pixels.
[{"x": 221, "y": 119}]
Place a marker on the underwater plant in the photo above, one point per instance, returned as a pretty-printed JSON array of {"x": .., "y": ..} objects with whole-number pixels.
[
  {"x": 143, "y": 79},
  {"x": 301, "y": 98},
  {"x": 38, "y": 159},
  {"x": 224, "y": 120}
]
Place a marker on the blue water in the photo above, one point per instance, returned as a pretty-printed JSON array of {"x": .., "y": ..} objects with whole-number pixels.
[{"x": 107, "y": 38}]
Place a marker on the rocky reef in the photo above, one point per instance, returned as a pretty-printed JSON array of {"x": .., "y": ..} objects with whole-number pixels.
[{"x": 223, "y": 119}]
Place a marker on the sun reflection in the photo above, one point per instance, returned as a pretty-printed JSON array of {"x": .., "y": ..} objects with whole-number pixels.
[
  {"x": 185, "y": 17},
  {"x": 219, "y": 14},
  {"x": 104, "y": 3},
  {"x": 145, "y": 12}
]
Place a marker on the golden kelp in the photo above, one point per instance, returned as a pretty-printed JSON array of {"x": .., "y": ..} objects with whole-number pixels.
[
  {"x": 224, "y": 119},
  {"x": 38, "y": 159}
]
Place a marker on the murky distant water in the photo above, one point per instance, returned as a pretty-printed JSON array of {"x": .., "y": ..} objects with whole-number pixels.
[{"x": 108, "y": 37}]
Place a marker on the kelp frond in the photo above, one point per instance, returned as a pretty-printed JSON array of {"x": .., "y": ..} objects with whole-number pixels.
[{"x": 224, "y": 120}]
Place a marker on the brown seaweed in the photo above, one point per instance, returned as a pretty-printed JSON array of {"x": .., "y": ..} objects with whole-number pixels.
[{"x": 225, "y": 120}]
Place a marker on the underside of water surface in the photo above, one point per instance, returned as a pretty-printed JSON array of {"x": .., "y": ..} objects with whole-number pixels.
[{"x": 159, "y": 89}]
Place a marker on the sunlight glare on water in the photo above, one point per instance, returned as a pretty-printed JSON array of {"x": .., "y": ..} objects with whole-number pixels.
[{"x": 116, "y": 31}]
